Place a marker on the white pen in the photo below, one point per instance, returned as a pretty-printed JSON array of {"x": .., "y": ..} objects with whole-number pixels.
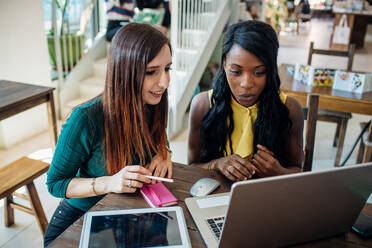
[{"x": 160, "y": 179}]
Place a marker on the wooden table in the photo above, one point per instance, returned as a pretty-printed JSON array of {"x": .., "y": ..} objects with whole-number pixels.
[
  {"x": 184, "y": 177},
  {"x": 329, "y": 99},
  {"x": 18, "y": 97}
]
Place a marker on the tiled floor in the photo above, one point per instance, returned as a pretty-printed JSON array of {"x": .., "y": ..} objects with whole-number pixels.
[{"x": 25, "y": 232}]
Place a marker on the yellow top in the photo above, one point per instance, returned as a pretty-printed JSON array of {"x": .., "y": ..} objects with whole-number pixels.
[{"x": 242, "y": 135}]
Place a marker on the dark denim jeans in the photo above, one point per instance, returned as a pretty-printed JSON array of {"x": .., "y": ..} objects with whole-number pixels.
[
  {"x": 64, "y": 216},
  {"x": 113, "y": 27}
]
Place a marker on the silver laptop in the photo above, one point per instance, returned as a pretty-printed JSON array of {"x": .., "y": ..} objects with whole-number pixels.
[{"x": 283, "y": 210}]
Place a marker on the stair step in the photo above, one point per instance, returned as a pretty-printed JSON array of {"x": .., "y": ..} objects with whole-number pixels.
[
  {"x": 207, "y": 19},
  {"x": 193, "y": 38},
  {"x": 91, "y": 87},
  {"x": 75, "y": 102},
  {"x": 100, "y": 67},
  {"x": 178, "y": 78},
  {"x": 185, "y": 57},
  {"x": 70, "y": 105}
]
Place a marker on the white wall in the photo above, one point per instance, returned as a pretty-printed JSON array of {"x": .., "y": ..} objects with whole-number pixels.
[{"x": 23, "y": 58}]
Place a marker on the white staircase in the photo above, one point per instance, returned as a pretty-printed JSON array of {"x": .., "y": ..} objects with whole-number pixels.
[
  {"x": 90, "y": 86},
  {"x": 100, "y": 66},
  {"x": 196, "y": 28},
  {"x": 87, "y": 80}
]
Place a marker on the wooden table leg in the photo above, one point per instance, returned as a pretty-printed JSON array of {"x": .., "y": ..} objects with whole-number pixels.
[
  {"x": 360, "y": 152},
  {"x": 359, "y": 30},
  {"x": 8, "y": 211},
  {"x": 53, "y": 131},
  {"x": 340, "y": 142},
  {"x": 368, "y": 145},
  {"x": 312, "y": 116},
  {"x": 37, "y": 207}
]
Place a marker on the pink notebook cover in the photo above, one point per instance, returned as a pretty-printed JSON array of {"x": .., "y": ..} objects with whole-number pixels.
[{"x": 157, "y": 195}]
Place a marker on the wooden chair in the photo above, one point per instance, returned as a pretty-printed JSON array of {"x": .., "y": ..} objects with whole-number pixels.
[
  {"x": 340, "y": 118},
  {"x": 365, "y": 148},
  {"x": 310, "y": 115},
  {"x": 349, "y": 54},
  {"x": 15, "y": 175}
]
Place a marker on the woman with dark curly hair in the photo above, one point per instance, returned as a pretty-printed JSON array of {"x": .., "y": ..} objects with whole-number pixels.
[{"x": 245, "y": 126}]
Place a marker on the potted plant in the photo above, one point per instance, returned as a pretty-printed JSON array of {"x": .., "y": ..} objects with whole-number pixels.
[{"x": 71, "y": 42}]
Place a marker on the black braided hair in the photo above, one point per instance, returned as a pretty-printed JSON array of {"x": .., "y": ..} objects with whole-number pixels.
[{"x": 273, "y": 124}]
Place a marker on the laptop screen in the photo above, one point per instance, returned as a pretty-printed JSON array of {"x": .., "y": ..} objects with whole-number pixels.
[{"x": 135, "y": 230}]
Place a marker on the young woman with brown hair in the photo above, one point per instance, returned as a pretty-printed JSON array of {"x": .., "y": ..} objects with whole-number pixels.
[{"x": 110, "y": 143}]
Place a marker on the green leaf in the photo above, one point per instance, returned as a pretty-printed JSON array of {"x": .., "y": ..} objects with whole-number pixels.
[{"x": 58, "y": 4}]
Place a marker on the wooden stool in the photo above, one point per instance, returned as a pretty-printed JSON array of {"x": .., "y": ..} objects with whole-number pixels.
[{"x": 15, "y": 175}]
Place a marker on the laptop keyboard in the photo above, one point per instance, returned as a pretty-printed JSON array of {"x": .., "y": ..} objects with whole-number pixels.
[{"x": 216, "y": 225}]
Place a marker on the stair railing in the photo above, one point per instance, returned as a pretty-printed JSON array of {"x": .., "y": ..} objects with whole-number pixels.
[{"x": 196, "y": 26}]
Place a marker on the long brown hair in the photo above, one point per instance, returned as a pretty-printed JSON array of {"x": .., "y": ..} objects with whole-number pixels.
[{"x": 132, "y": 128}]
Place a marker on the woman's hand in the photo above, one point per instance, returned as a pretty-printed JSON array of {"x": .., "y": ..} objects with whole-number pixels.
[
  {"x": 266, "y": 164},
  {"x": 128, "y": 179},
  {"x": 234, "y": 167},
  {"x": 159, "y": 167}
]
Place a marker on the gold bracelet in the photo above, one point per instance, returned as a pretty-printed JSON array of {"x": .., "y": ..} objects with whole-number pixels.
[{"x": 93, "y": 183}]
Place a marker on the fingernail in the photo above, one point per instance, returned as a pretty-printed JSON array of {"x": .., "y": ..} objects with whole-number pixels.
[{"x": 245, "y": 178}]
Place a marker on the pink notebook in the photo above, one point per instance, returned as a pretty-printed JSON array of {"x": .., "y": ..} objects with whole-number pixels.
[{"x": 157, "y": 195}]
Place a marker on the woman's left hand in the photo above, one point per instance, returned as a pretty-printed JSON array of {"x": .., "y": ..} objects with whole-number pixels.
[
  {"x": 159, "y": 167},
  {"x": 266, "y": 164}
]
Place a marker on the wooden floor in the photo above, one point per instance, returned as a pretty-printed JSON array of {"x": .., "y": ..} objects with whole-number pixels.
[{"x": 293, "y": 50}]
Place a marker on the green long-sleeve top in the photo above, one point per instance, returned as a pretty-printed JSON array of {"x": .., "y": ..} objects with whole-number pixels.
[{"x": 79, "y": 153}]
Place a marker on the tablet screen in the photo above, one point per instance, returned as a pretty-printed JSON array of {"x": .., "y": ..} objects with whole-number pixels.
[{"x": 135, "y": 230}]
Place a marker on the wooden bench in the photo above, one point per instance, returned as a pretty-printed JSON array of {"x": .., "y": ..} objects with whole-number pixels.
[{"x": 15, "y": 175}]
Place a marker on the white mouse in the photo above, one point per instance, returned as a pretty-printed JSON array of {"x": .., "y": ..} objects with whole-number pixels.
[{"x": 204, "y": 186}]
